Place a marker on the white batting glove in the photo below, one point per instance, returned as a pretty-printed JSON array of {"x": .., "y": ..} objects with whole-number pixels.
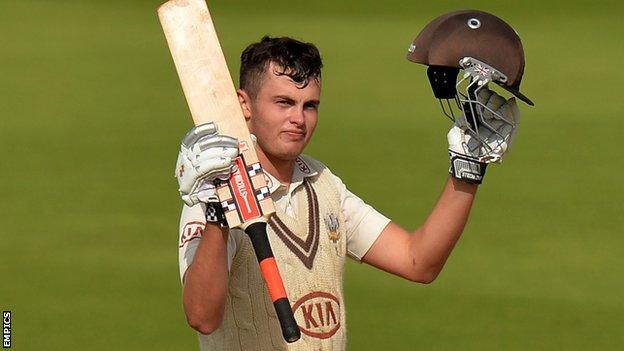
[
  {"x": 472, "y": 150},
  {"x": 205, "y": 156}
]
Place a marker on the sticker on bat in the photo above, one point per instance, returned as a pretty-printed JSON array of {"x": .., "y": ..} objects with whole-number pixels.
[{"x": 244, "y": 193}]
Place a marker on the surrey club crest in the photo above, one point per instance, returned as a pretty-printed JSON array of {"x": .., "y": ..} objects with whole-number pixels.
[{"x": 331, "y": 221}]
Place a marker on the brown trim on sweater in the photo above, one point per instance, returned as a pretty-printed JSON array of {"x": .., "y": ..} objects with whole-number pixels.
[{"x": 304, "y": 250}]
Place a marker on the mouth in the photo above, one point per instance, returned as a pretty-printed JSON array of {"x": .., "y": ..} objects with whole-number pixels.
[{"x": 295, "y": 135}]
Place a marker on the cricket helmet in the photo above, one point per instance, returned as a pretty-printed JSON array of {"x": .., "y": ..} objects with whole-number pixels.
[{"x": 477, "y": 42}]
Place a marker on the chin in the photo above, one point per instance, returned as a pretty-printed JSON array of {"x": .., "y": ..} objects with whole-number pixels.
[
  {"x": 289, "y": 155},
  {"x": 285, "y": 151}
]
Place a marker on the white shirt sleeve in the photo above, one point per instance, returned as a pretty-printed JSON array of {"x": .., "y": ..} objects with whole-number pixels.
[
  {"x": 363, "y": 223},
  {"x": 192, "y": 224}
]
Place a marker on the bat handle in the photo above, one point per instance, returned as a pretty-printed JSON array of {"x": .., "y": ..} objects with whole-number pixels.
[{"x": 260, "y": 241}]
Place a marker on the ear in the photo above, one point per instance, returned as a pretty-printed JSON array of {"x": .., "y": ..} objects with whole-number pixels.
[{"x": 245, "y": 102}]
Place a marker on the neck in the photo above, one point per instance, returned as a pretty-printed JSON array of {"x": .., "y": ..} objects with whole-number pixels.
[{"x": 280, "y": 169}]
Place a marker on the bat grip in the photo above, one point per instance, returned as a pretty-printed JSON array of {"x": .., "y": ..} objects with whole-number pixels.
[{"x": 260, "y": 241}]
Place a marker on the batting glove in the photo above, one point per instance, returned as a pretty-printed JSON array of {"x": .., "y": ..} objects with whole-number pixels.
[
  {"x": 473, "y": 146},
  {"x": 205, "y": 156}
]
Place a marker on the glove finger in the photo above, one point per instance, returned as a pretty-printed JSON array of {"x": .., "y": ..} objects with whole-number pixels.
[
  {"x": 505, "y": 118},
  {"x": 495, "y": 101},
  {"x": 225, "y": 174},
  {"x": 217, "y": 141},
  {"x": 473, "y": 146},
  {"x": 510, "y": 111},
  {"x": 494, "y": 106},
  {"x": 207, "y": 196},
  {"x": 214, "y": 166},
  {"x": 205, "y": 185},
  {"x": 514, "y": 113},
  {"x": 188, "y": 200},
  {"x": 483, "y": 95},
  {"x": 462, "y": 122},
  {"x": 457, "y": 140},
  {"x": 206, "y": 191},
  {"x": 214, "y": 152},
  {"x": 199, "y": 132},
  {"x": 508, "y": 127},
  {"x": 491, "y": 102}
]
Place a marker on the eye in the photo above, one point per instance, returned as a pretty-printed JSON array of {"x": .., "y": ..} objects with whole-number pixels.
[
  {"x": 311, "y": 106},
  {"x": 283, "y": 102}
]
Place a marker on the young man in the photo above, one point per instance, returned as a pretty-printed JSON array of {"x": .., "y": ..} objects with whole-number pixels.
[{"x": 318, "y": 221}]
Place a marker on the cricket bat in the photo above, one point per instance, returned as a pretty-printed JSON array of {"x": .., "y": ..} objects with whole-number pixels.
[{"x": 211, "y": 97}]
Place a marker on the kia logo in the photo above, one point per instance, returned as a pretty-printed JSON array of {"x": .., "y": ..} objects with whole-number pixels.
[
  {"x": 191, "y": 231},
  {"x": 318, "y": 314}
]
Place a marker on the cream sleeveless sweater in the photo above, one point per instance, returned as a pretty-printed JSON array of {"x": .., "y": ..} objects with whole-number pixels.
[{"x": 310, "y": 251}]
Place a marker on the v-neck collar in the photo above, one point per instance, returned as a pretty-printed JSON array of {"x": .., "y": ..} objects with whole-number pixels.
[{"x": 287, "y": 228}]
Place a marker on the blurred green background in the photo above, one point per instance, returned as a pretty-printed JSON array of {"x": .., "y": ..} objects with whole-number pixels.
[{"x": 92, "y": 114}]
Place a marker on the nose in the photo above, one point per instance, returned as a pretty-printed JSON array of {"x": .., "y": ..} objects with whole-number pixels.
[{"x": 297, "y": 116}]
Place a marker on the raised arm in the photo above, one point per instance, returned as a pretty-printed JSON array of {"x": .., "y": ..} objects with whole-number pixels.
[
  {"x": 420, "y": 256},
  {"x": 204, "y": 157}
]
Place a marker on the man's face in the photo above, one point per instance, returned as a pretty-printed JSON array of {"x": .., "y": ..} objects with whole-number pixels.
[{"x": 283, "y": 115}]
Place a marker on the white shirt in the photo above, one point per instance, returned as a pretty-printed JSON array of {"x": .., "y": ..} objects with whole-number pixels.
[{"x": 363, "y": 223}]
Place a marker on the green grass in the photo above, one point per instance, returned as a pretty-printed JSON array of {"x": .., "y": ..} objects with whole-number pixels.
[{"x": 92, "y": 114}]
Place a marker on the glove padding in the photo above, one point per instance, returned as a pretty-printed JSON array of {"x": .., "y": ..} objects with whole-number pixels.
[
  {"x": 472, "y": 150},
  {"x": 205, "y": 156}
]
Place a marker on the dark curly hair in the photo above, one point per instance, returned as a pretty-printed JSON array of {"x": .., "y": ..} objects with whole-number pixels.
[{"x": 297, "y": 60}]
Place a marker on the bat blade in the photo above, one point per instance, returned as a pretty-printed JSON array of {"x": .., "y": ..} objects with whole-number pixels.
[{"x": 211, "y": 97}]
